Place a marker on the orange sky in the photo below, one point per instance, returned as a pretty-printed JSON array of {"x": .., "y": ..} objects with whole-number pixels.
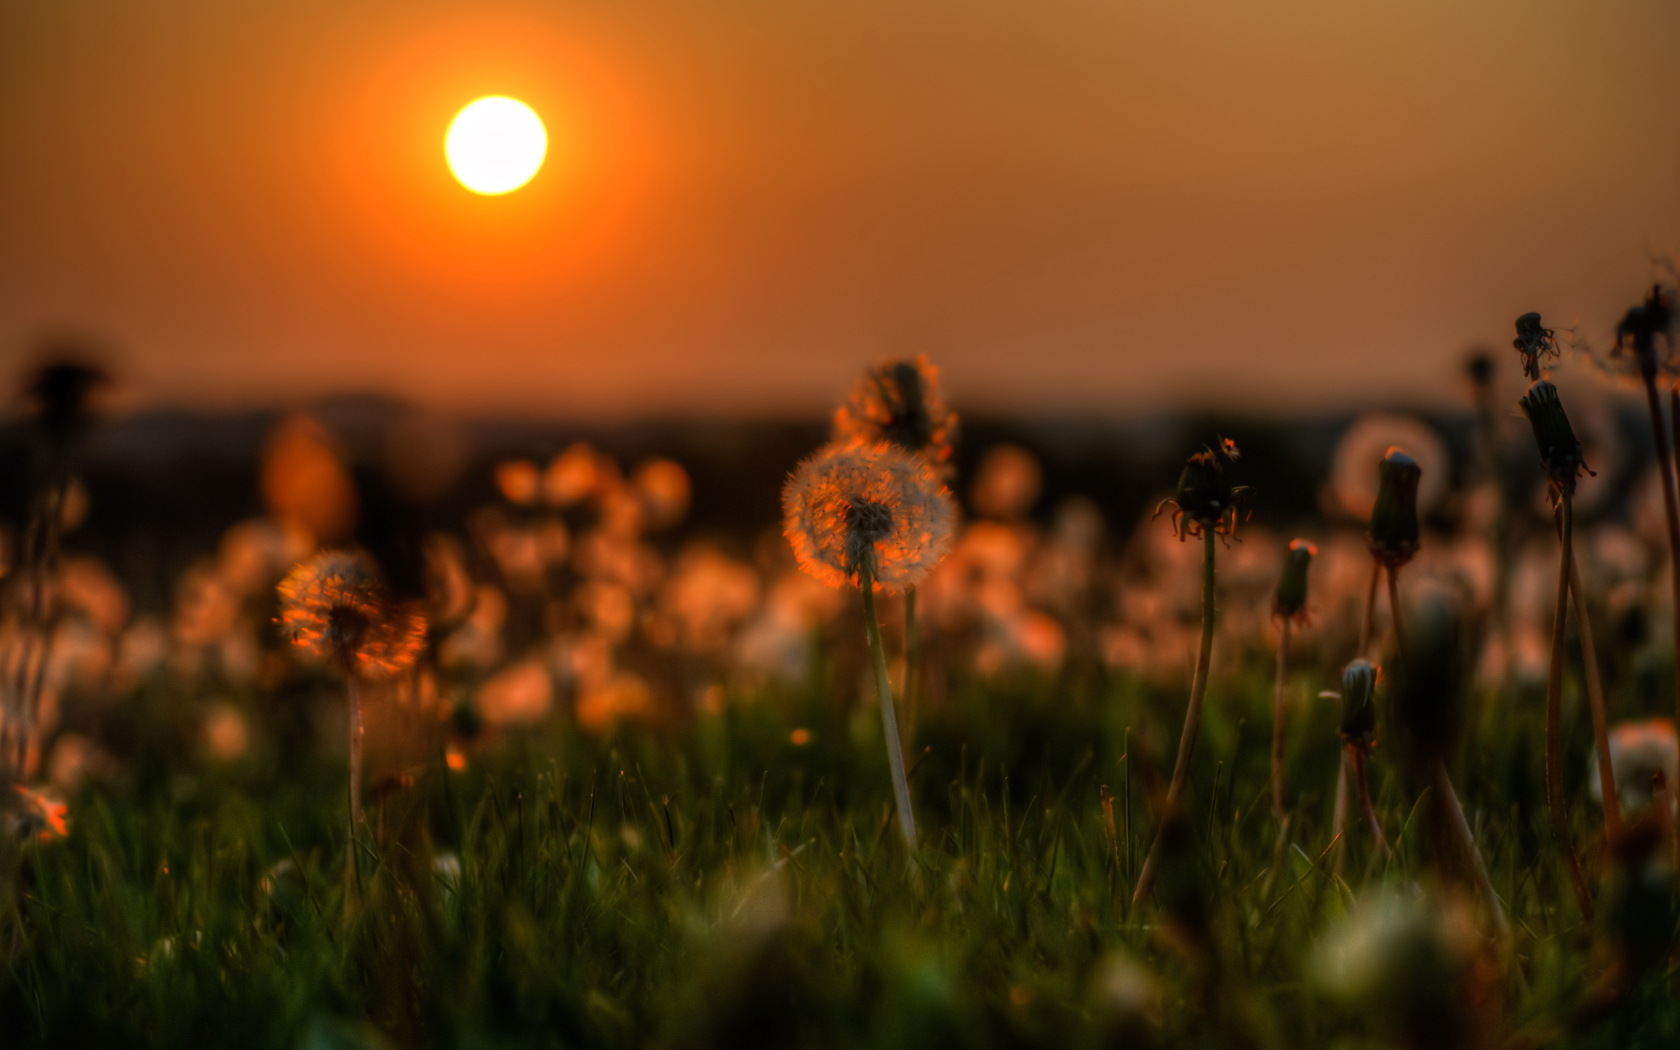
[{"x": 1093, "y": 206}]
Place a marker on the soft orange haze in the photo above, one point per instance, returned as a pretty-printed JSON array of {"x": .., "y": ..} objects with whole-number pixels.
[{"x": 1088, "y": 206}]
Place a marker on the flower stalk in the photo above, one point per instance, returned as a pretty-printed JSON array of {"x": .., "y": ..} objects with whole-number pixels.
[{"x": 889, "y": 718}]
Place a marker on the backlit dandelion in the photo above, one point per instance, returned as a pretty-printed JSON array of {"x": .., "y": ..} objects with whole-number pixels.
[
  {"x": 865, "y": 514},
  {"x": 335, "y": 606},
  {"x": 899, "y": 402},
  {"x": 856, "y": 510}
]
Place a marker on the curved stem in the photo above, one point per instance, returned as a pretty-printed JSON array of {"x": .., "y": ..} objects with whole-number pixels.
[
  {"x": 1595, "y": 698},
  {"x": 1364, "y": 786},
  {"x": 1467, "y": 841},
  {"x": 889, "y": 719},
  {"x": 1555, "y": 803},
  {"x": 1192, "y": 719},
  {"x": 1278, "y": 712},
  {"x": 1338, "y": 812}
]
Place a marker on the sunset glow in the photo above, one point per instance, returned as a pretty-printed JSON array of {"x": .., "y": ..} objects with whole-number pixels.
[{"x": 495, "y": 145}]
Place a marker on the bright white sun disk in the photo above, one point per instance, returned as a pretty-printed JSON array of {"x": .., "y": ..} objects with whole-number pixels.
[{"x": 495, "y": 145}]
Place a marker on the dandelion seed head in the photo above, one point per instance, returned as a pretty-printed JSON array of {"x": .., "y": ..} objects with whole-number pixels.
[
  {"x": 335, "y": 606},
  {"x": 867, "y": 507},
  {"x": 899, "y": 402}
]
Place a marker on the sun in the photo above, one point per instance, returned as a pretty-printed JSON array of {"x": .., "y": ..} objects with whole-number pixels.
[{"x": 495, "y": 145}]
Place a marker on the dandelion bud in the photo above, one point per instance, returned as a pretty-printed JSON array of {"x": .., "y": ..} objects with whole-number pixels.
[
  {"x": 1393, "y": 537},
  {"x": 1560, "y": 450},
  {"x": 1359, "y": 709},
  {"x": 1290, "y": 602},
  {"x": 1534, "y": 340}
]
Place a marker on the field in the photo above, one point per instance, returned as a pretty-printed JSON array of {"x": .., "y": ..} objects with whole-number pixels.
[{"x": 612, "y": 784}]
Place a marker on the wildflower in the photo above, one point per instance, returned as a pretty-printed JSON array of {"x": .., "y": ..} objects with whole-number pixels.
[
  {"x": 335, "y": 605},
  {"x": 40, "y": 816},
  {"x": 1206, "y": 498},
  {"x": 867, "y": 509},
  {"x": 1640, "y": 753},
  {"x": 1393, "y": 536},
  {"x": 899, "y": 402},
  {"x": 1534, "y": 341},
  {"x": 1560, "y": 449},
  {"x": 1290, "y": 602}
]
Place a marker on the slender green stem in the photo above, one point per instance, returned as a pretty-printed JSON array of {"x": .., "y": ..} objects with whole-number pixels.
[
  {"x": 1555, "y": 803},
  {"x": 1595, "y": 698},
  {"x": 889, "y": 720},
  {"x": 1192, "y": 720},
  {"x": 1279, "y": 710},
  {"x": 1467, "y": 842},
  {"x": 1338, "y": 814}
]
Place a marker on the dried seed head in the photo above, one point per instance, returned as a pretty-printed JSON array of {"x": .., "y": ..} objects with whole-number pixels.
[
  {"x": 1534, "y": 341},
  {"x": 1206, "y": 498},
  {"x": 1560, "y": 450},
  {"x": 1359, "y": 709},
  {"x": 1290, "y": 602},
  {"x": 1393, "y": 537},
  {"x": 1637, "y": 332}
]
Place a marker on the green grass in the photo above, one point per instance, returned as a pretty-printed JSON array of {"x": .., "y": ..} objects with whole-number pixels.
[{"x": 719, "y": 886}]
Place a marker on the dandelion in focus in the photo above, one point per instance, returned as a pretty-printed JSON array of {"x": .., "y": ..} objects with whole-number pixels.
[
  {"x": 864, "y": 514},
  {"x": 1207, "y": 505}
]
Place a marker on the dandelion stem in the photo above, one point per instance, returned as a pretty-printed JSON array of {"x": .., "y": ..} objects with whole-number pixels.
[
  {"x": 1595, "y": 698},
  {"x": 1360, "y": 780},
  {"x": 1467, "y": 841},
  {"x": 1192, "y": 720},
  {"x": 1370, "y": 610},
  {"x": 1394, "y": 611},
  {"x": 352, "y": 874},
  {"x": 1554, "y": 718},
  {"x": 1278, "y": 713},
  {"x": 889, "y": 720},
  {"x": 1338, "y": 812},
  {"x": 1671, "y": 512}
]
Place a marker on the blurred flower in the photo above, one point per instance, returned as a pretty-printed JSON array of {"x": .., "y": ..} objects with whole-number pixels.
[
  {"x": 226, "y": 735},
  {"x": 336, "y": 606},
  {"x": 858, "y": 508},
  {"x": 39, "y": 816},
  {"x": 663, "y": 486},
  {"x": 478, "y": 641},
  {"x": 709, "y": 593},
  {"x": 1359, "y": 709},
  {"x": 306, "y": 484},
  {"x": 1639, "y": 751},
  {"x": 521, "y": 694},
  {"x": 621, "y": 696},
  {"x": 575, "y": 475},
  {"x": 1007, "y": 483},
  {"x": 519, "y": 481},
  {"x": 87, "y": 587},
  {"x": 899, "y": 402}
]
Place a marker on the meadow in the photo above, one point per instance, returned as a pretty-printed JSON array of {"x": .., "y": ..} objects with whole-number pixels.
[{"x": 900, "y": 772}]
